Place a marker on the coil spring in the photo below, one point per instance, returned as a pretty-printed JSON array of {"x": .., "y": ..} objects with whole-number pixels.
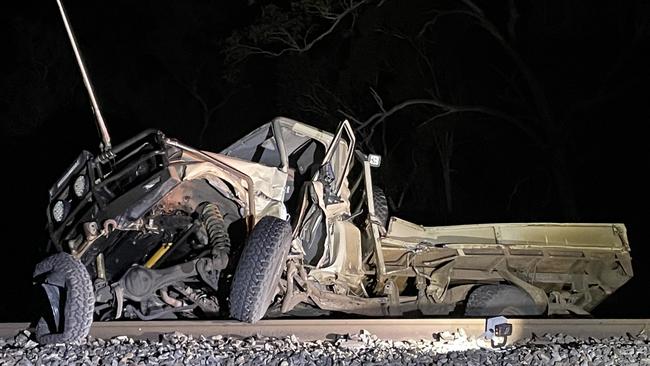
[{"x": 216, "y": 227}]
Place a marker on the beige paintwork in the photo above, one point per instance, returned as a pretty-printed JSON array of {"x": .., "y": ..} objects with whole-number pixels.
[
  {"x": 269, "y": 185},
  {"x": 269, "y": 182},
  {"x": 563, "y": 267},
  {"x": 548, "y": 255}
]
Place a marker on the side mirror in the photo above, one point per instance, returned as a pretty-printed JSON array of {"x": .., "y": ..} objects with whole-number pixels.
[{"x": 374, "y": 160}]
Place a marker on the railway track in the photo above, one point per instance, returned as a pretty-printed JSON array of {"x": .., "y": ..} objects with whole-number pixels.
[{"x": 394, "y": 329}]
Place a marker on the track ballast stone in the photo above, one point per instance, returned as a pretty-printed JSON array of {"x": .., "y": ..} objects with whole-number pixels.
[{"x": 355, "y": 349}]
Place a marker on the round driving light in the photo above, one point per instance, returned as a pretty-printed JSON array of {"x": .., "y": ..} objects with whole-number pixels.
[
  {"x": 58, "y": 211},
  {"x": 80, "y": 186}
]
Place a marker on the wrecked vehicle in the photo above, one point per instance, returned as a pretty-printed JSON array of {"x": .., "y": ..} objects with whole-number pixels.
[{"x": 287, "y": 221}]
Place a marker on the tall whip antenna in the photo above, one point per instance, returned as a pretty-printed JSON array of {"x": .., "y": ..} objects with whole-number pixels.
[{"x": 101, "y": 126}]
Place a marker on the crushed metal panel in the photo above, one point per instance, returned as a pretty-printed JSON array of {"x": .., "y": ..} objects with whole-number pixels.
[
  {"x": 563, "y": 235},
  {"x": 411, "y": 233}
]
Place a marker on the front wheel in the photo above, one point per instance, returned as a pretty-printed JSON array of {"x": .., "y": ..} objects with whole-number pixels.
[
  {"x": 495, "y": 300},
  {"x": 259, "y": 269},
  {"x": 68, "y": 312}
]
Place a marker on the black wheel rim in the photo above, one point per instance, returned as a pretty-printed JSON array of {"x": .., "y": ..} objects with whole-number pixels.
[{"x": 54, "y": 297}]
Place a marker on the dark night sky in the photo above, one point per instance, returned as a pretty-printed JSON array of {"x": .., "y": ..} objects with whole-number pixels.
[{"x": 154, "y": 62}]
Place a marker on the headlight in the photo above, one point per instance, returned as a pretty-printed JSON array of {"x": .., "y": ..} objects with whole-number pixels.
[
  {"x": 80, "y": 186},
  {"x": 59, "y": 211}
]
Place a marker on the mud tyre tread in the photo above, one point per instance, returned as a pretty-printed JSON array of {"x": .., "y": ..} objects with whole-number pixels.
[
  {"x": 381, "y": 205},
  {"x": 494, "y": 300},
  {"x": 79, "y": 300},
  {"x": 259, "y": 269}
]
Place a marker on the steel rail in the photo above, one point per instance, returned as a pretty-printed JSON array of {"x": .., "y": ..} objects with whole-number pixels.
[{"x": 394, "y": 329}]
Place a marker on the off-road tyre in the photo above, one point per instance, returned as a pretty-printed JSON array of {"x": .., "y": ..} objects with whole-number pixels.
[
  {"x": 260, "y": 265},
  {"x": 78, "y": 301},
  {"x": 495, "y": 300},
  {"x": 381, "y": 205}
]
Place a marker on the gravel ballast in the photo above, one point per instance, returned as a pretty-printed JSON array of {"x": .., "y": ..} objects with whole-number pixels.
[{"x": 356, "y": 349}]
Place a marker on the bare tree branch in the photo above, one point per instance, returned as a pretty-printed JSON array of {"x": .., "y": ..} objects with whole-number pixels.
[
  {"x": 285, "y": 38},
  {"x": 407, "y": 185},
  {"x": 417, "y": 46},
  {"x": 207, "y": 117},
  {"x": 477, "y": 14},
  {"x": 377, "y": 99},
  {"x": 448, "y": 109},
  {"x": 208, "y": 108},
  {"x": 512, "y": 20},
  {"x": 444, "y": 142}
]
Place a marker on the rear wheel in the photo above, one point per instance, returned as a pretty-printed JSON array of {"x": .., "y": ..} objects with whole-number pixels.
[
  {"x": 494, "y": 300},
  {"x": 259, "y": 269},
  {"x": 381, "y": 205},
  {"x": 70, "y": 299}
]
